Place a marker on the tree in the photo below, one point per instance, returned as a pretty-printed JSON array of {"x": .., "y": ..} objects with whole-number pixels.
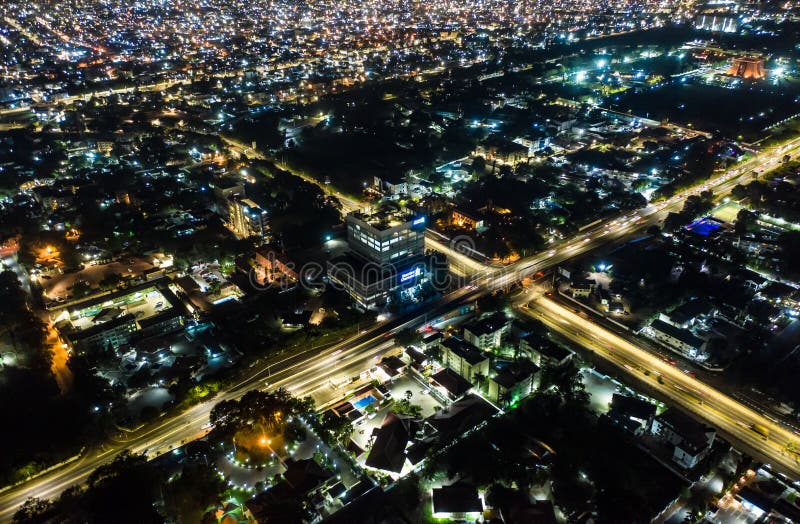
[
  {"x": 479, "y": 379},
  {"x": 406, "y": 337},
  {"x": 123, "y": 491},
  {"x": 269, "y": 410},
  {"x": 337, "y": 429},
  {"x": 406, "y": 495},
  {"x": 33, "y": 510},
  {"x": 19, "y": 322},
  {"x": 405, "y": 407},
  {"x": 434, "y": 353},
  {"x": 492, "y": 302},
  {"x": 81, "y": 288},
  {"x": 110, "y": 281},
  {"x": 193, "y": 494},
  {"x": 478, "y": 166},
  {"x": 566, "y": 381}
]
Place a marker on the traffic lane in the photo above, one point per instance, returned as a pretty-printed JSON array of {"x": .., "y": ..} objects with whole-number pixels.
[
  {"x": 574, "y": 248},
  {"x": 688, "y": 393},
  {"x": 677, "y": 394},
  {"x": 170, "y": 433}
]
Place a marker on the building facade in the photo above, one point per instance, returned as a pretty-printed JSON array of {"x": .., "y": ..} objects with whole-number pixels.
[
  {"x": 464, "y": 358},
  {"x": 246, "y": 218},
  {"x": 677, "y": 338},
  {"x": 385, "y": 240},
  {"x": 386, "y": 254},
  {"x": 487, "y": 333}
]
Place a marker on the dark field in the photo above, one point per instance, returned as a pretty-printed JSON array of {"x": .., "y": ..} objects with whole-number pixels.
[{"x": 742, "y": 111}]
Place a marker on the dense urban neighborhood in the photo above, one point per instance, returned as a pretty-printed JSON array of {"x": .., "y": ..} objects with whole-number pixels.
[{"x": 399, "y": 262}]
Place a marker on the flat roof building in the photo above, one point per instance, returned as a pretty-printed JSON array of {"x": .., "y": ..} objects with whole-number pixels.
[
  {"x": 118, "y": 318},
  {"x": 464, "y": 358},
  {"x": 386, "y": 253},
  {"x": 385, "y": 237},
  {"x": 487, "y": 333}
]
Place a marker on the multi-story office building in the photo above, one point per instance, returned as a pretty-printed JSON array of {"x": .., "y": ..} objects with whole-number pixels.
[
  {"x": 386, "y": 254},
  {"x": 385, "y": 238},
  {"x": 246, "y": 218}
]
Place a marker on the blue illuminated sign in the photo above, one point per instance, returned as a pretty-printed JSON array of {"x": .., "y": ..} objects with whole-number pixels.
[{"x": 408, "y": 275}]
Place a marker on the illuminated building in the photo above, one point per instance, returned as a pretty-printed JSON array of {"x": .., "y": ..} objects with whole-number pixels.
[
  {"x": 385, "y": 237},
  {"x": 272, "y": 264},
  {"x": 467, "y": 219},
  {"x": 748, "y": 67},
  {"x": 502, "y": 151},
  {"x": 716, "y": 22},
  {"x": 386, "y": 254},
  {"x": 113, "y": 320},
  {"x": 246, "y": 218}
]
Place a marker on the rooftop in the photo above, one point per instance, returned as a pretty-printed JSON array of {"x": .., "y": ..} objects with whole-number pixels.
[
  {"x": 385, "y": 218},
  {"x": 458, "y": 498},
  {"x": 464, "y": 350},
  {"x": 487, "y": 325},
  {"x": 454, "y": 383},
  {"x": 677, "y": 333},
  {"x": 388, "y": 453}
]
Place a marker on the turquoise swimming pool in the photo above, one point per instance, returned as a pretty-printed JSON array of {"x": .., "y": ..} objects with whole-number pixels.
[{"x": 363, "y": 402}]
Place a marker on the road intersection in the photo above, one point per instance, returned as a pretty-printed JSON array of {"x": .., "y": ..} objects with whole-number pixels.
[{"x": 310, "y": 369}]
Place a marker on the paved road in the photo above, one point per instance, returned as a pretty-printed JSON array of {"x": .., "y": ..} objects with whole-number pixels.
[
  {"x": 310, "y": 369},
  {"x": 349, "y": 204},
  {"x": 730, "y": 417}
]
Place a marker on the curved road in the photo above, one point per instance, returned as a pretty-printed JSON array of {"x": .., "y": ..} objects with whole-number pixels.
[{"x": 312, "y": 368}]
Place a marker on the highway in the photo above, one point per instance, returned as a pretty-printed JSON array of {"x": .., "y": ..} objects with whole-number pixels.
[
  {"x": 301, "y": 373},
  {"x": 673, "y": 385},
  {"x": 311, "y": 369}
]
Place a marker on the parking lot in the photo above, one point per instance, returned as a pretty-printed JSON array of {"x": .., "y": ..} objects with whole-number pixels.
[
  {"x": 60, "y": 286},
  {"x": 398, "y": 390},
  {"x": 400, "y": 387}
]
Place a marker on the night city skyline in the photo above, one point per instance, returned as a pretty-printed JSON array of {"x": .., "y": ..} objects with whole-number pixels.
[{"x": 372, "y": 262}]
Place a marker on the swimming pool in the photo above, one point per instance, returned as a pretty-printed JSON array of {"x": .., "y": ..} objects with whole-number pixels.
[
  {"x": 363, "y": 402},
  {"x": 502, "y": 364}
]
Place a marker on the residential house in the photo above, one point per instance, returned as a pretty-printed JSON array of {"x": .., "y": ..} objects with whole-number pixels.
[
  {"x": 487, "y": 333},
  {"x": 691, "y": 439},
  {"x": 464, "y": 358},
  {"x": 450, "y": 385},
  {"x": 388, "y": 453}
]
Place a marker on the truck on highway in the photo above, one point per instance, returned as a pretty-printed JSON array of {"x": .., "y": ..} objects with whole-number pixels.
[{"x": 761, "y": 430}]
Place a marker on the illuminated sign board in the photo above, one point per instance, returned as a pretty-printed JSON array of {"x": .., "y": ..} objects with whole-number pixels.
[
  {"x": 412, "y": 273},
  {"x": 418, "y": 221}
]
